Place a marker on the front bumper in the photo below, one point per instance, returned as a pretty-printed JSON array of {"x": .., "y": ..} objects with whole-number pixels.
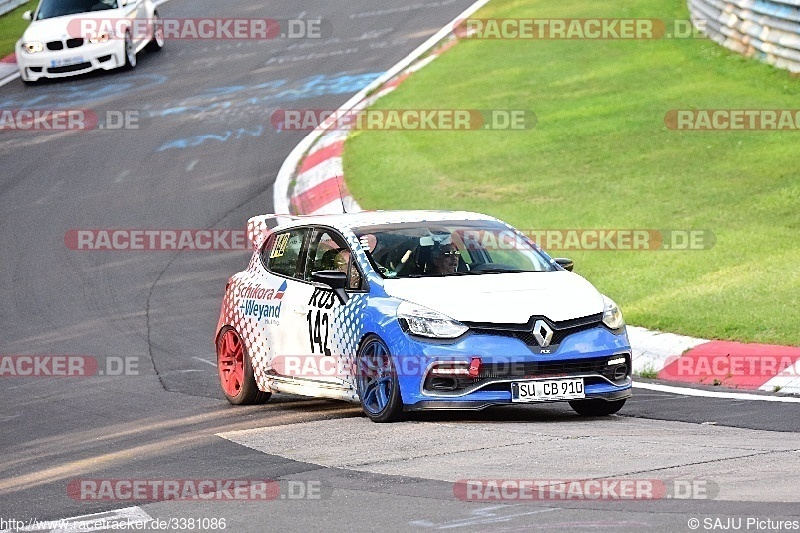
[
  {"x": 505, "y": 360},
  {"x": 71, "y": 61},
  {"x": 477, "y": 405}
]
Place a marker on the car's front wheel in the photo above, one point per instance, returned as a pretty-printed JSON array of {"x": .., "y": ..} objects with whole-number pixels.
[
  {"x": 130, "y": 52},
  {"x": 235, "y": 371},
  {"x": 596, "y": 407},
  {"x": 378, "y": 385},
  {"x": 157, "y": 39}
]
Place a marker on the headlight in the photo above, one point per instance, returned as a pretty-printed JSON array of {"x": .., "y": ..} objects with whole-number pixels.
[
  {"x": 101, "y": 37},
  {"x": 32, "y": 47},
  {"x": 429, "y": 323},
  {"x": 612, "y": 316}
]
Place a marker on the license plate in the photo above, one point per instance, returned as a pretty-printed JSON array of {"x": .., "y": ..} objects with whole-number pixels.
[
  {"x": 553, "y": 389},
  {"x": 66, "y": 61}
]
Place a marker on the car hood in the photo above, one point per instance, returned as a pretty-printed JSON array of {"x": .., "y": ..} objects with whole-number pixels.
[
  {"x": 502, "y": 298},
  {"x": 56, "y": 28}
]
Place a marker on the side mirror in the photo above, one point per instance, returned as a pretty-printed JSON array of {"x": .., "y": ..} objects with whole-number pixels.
[
  {"x": 335, "y": 280},
  {"x": 28, "y": 15},
  {"x": 565, "y": 263},
  {"x": 123, "y": 3}
]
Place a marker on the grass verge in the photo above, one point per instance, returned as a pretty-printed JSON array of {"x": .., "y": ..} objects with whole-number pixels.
[
  {"x": 601, "y": 156},
  {"x": 11, "y": 27}
]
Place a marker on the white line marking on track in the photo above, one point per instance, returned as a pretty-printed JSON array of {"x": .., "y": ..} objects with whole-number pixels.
[
  {"x": 485, "y": 515},
  {"x": 206, "y": 361},
  {"x": 124, "y": 174},
  {"x": 683, "y": 391},
  {"x": 123, "y": 518},
  {"x": 9, "y": 78}
]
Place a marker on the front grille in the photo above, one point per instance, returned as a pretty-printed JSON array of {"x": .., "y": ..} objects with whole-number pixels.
[
  {"x": 524, "y": 332},
  {"x": 69, "y": 68},
  {"x": 55, "y": 45},
  {"x": 536, "y": 369},
  {"x": 75, "y": 42},
  {"x": 544, "y": 368}
]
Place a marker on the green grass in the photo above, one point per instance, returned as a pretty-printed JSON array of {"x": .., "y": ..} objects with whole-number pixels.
[
  {"x": 11, "y": 27},
  {"x": 648, "y": 373},
  {"x": 601, "y": 157}
]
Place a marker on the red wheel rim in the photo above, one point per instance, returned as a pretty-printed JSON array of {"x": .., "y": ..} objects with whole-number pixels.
[{"x": 230, "y": 361}]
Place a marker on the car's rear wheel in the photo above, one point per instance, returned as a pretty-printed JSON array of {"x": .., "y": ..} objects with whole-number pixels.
[
  {"x": 596, "y": 407},
  {"x": 378, "y": 386},
  {"x": 157, "y": 40},
  {"x": 235, "y": 371},
  {"x": 130, "y": 52}
]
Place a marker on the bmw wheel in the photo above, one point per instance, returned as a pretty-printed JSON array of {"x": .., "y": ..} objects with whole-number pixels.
[
  {"x": 130, "y": 52},
  {"x": 378, "y": 386},
  {"x": 235, "y": 371},
  {"x": 157, "y": 40}
]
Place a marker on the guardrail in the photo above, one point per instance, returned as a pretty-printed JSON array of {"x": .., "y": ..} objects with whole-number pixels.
[
  {"x": 768, "y": 30},
  {"x": 8, "y": 5}
]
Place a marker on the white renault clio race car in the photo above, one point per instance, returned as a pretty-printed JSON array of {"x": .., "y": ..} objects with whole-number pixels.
[
  {"x": 69, "y": 37},
  {"x": 413, "y": 310}
]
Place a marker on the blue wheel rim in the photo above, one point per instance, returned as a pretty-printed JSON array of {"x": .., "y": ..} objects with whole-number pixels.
[{"x": 375, "y": 379}]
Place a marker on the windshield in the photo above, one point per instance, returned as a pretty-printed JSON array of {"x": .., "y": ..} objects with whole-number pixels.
[
  {"x": 450, "y": 248},
  {"x": 59, "y": 8}
]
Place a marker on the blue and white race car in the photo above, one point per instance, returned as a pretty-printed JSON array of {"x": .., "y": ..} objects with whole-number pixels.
[{"x": 413, "y": 310}]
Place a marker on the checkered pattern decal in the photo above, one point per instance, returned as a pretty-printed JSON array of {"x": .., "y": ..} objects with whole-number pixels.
[{"x": 348, "y": 329}]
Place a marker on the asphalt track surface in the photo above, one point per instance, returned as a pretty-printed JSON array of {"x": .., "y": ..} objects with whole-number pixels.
[{"x": 205, "y": 156}]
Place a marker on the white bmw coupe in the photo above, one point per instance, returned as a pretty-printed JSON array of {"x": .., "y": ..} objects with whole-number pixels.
[{"x": 69, "y": 37}]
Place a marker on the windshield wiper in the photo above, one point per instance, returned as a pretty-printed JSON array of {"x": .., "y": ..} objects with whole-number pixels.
[{"x": 496, "y": 271}]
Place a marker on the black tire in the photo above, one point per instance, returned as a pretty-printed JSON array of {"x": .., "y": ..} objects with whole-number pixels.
[
  {"x": 378, "y": 386},
  {"x": 157, "y": 40},
  {"x": 29, "y": 83},
  {"x": 130, "y": 52},
  {"x": 245, "y": 391},
  {"x": 596, "y": 407}
]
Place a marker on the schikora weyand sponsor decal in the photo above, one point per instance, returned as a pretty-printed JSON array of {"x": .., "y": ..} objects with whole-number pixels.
[{"x": 262, "y": 303}]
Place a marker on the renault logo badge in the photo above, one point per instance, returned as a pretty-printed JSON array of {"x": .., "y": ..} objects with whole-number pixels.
[{"x": 542, "y": 333}]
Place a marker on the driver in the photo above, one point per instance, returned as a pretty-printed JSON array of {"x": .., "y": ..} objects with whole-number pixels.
[
  {"x": 445, "y": 258},
  {"x": 342, "y": 260}
]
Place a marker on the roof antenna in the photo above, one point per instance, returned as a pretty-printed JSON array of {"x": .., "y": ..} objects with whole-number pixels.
[{"x": 339, "y": 180}]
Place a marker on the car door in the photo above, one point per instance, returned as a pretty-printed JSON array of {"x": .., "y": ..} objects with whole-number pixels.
[
  {"x": 284, "y": 258},
  {"x": 333, "y": 328}
]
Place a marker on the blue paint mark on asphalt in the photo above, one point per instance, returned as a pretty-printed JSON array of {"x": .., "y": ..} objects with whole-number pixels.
[
  {"x": 76, "y": 94},
  {"x": 249, "y": 95},
  {"x": 236, "y": 99},
  {"x": 197, "y": 140}
]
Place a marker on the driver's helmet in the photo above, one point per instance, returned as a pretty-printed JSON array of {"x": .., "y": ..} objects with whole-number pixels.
[
  {"x": 431, "y": 245},
  {"x": 439, "y": 239}
]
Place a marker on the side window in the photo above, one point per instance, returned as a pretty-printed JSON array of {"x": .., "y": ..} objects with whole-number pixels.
[
  {"x": 284, "y": 253},
  {"x": 328, "y": 251}
]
